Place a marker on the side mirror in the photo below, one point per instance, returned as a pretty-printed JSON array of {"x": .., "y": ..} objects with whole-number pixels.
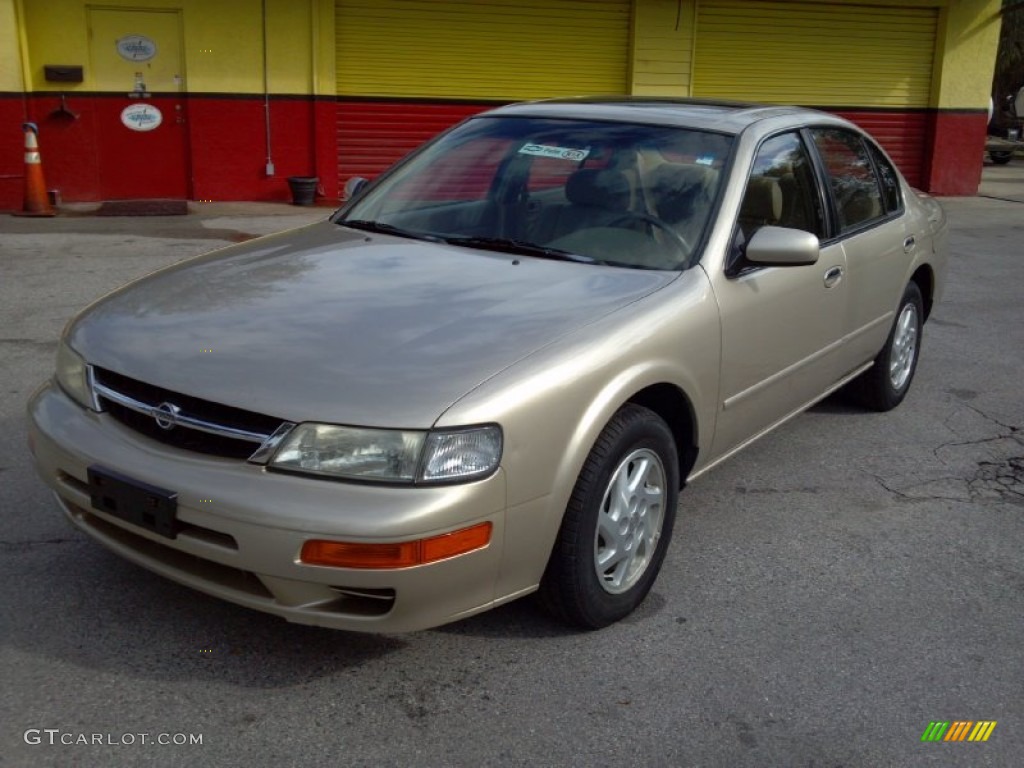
[
  {"x": 354, "y": 186},
  {"x": 782, "y": 247}
]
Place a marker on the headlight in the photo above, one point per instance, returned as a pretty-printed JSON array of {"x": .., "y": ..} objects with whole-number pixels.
[
  {"x": 367, "y": 454},
  {"x": 73, "y": 375},
  {"x": 390, "y": 456}
]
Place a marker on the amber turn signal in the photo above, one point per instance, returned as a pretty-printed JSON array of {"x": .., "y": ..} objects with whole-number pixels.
[{"x": 343, "y": 554}]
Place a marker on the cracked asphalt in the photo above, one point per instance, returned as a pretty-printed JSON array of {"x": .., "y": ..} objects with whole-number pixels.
[{"x": 828, "y": 593}]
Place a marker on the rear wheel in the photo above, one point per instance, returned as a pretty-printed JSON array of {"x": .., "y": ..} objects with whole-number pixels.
[
  {"x": 1001, "y": 158},
  {"x": 617, "y": 524},
  {"x": 883, "y": 386}
]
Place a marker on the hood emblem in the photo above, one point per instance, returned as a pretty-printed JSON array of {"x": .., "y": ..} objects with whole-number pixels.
[{"x": 166, "y": 415}]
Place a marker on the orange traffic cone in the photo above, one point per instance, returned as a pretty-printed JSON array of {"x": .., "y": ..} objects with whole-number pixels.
[{"x": 37, "y": 202}]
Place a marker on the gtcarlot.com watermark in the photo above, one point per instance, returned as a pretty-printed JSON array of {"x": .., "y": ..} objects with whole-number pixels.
[{"x": 55, "y": 736}]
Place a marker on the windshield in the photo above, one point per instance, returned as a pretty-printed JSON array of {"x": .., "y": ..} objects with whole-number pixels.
[{"x": 594, "y": 192}]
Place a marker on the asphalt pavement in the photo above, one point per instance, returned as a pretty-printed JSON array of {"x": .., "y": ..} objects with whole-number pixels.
[{"x": 828, "y": 593}]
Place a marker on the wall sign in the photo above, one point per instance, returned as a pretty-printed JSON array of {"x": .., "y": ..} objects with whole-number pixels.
[
  {"x": 136, "y": 48},
  {"x": 141, "y": 117}
]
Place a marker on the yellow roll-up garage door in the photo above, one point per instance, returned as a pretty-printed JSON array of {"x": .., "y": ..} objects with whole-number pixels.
[
  {"x": 870, "y": 63},
  {"x": 815, "y": 54},
  {"x": 482, "y": 49}
]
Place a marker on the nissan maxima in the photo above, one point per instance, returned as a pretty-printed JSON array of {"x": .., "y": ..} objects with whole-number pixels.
[{"x": 492, "y": 371}]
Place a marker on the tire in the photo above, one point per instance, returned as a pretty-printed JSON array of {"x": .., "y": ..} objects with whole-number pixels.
[
  {"x": 883, "y": 386},
  {"x": 1001, "y": 158},
  {"x": 630, "y": 533}
]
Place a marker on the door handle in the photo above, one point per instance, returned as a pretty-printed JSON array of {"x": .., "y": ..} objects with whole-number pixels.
[
  {"x": 833, "y": 276},
  {"x": 908, "y": 244}
]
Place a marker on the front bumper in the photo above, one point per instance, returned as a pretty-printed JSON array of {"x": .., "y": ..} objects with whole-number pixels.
[{"x": 243, "y": 527}]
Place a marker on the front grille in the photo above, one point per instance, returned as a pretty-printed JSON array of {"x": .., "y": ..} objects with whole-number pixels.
[{"x": 181, "y": 436}]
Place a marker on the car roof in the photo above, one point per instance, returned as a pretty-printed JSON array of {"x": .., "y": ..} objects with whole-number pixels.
[{"x": 722, "y": 116}]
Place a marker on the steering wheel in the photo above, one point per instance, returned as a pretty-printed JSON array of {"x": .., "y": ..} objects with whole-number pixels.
[{"x": 654, "y": 222}]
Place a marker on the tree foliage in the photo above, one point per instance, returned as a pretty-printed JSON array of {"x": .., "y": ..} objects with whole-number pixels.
[{"x": 1009, "y": 75}]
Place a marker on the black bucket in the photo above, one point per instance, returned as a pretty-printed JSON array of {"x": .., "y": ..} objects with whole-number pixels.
[{"x": 303, "y": 189}]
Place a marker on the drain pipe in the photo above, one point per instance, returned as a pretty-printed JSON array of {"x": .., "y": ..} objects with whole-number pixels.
[
  {"x": 23, "y": 61},
  {"x": 314, "y": 88},
  {"x": 266, "y": 93}
]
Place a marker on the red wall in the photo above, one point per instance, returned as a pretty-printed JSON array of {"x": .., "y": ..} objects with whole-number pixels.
[
  {"x": 229, "y": 146},
  {"x": 222, "y": 141},
  {"x": 220, "y": 152},
  {"x": 953, "y": 164},
  {"x": 374, "y": 134},
  {"x": 92, "y": 156},
  {"x": 904, "y": 135},
  {"x": 938, "y": 151},
  {"x": 12, "y": 151}
]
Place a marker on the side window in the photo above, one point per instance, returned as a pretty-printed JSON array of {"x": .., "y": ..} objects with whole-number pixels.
[
  {"x": 782, "y": 190},
  {"x": 891, "y": 197},
  {"x": 854, "y": 184}
]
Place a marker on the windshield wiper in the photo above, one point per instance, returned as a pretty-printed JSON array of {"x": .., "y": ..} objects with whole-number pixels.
[
  {"x": 508, "y": 245},
  {"x": 388, "y": 229}
]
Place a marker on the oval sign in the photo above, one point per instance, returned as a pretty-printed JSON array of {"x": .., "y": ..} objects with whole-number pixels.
[
  {"x": 136, "y": 48},
  {"x": 141, "y": 117}
]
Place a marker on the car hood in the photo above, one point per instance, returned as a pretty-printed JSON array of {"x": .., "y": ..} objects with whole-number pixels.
[{"x": 327, "y": 324}]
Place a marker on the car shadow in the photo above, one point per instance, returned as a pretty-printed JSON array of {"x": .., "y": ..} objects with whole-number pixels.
[
  {"x": 99, "y": 611},
  {"x": 527, "y": 618},
  {"x": 841, "y": 403},
  {"x": 522, "y": 618}
]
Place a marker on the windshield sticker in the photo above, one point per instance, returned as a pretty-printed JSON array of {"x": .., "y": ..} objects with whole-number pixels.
[
  {"x": 562, "y": 153},
  {"x": 705, "y": 160}
]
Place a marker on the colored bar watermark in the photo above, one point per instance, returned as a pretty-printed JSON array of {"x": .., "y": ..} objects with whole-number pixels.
[{"x": 958, "y": 730}]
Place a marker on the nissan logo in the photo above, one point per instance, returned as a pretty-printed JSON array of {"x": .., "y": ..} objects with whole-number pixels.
[{"x": 166, "y": 415}]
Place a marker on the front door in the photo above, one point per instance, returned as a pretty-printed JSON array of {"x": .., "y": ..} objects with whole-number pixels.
[
  {"x": 782, "y": 327},
  {"x": 136, "y": 58}
]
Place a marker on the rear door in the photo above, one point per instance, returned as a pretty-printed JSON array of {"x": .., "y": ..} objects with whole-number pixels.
[{"x": 872, "y": 229}]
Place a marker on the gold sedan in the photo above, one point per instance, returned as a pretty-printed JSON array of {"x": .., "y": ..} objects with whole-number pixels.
[{"x": 493, "y": 370}]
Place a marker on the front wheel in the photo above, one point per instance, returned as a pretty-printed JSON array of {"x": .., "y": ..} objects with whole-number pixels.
[
  {"x": 883, "y": 386},
  {"x": 618, "y": 523},
  {"x": 1001, "y": 158}
]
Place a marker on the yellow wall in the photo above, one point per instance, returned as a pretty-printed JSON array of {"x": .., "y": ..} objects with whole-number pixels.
[
  {"x": 223, "y": 43},
  {"x": 886, "y": 68},
  {"x": 966, "y": 54},
  {"x": 223, "y": 46},
  {"x": 662, "y": 47},
  {"x": 10, "y": 47}
]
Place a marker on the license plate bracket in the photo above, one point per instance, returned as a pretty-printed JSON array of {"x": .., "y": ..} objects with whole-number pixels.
[{"x": 147, "y": 506}]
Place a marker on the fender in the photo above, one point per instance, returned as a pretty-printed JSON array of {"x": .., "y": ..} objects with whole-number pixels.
[{"x": 553, "y": 405}]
